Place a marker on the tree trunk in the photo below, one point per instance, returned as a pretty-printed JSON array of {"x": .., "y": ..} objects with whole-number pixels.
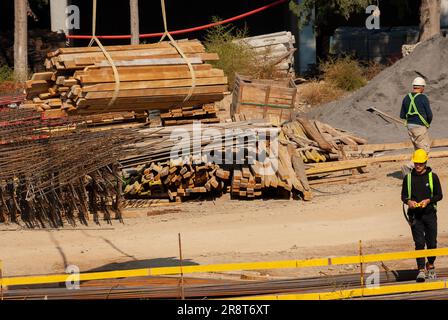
[
  {"x": 20, "y": 40},
  {"x": 135, "y": 30},
  {"x": 429, "y": 19}
]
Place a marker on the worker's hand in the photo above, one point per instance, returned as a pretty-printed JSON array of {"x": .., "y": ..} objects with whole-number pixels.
[
  {"x": 425, "y": 203},
  {"x": 412, "y": 204}
]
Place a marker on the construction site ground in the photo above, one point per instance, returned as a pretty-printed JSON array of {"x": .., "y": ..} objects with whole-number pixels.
[{"x": 225, "y": 231}]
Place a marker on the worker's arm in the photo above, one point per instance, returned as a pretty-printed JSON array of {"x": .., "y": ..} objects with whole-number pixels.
[
  {"x": 427, "y": 109},
  {"x": 403, "y": 109}
]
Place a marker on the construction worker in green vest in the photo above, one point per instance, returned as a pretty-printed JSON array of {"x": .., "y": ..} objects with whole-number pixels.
[
  {"x": 416, "y": 111},
  {"x": 420, "y": 192}
]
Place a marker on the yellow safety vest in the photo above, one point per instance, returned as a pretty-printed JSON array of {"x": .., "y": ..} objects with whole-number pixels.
[{"x": 414, "y": 111}]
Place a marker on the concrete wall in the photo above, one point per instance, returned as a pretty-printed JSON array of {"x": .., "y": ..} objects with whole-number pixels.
[
  {"x": 375, "y": 45},
  {"x": 58, "y": 15}
]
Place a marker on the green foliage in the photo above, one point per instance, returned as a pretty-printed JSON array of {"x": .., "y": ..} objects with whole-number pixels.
[
  {"x": 6, "y": 73},
  {"x": 324, "y": 8},
  {"x": 344, "y": 73},
  {"x": 234, "y": 57}
]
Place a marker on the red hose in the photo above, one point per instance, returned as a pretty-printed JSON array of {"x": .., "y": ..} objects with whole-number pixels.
[{"x": 159, "y": 34}]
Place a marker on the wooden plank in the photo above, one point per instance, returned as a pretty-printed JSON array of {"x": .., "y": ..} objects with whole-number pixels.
[
  {"x": 101, "y": 71},
  {"x": 298, "y": 167},
  {"x": 359, "y": 163},
  {"x": 37, "y": 84},
  {"x": 42, "y": 76},
  {"x": 164, "y": 44},
  {"x": 156, "y": 84},
  {"x": 167, "y": 75},
  {"x": 339, "y": 167},
  {"x": 368, "y": 148},
  {"x": 133, "y": 53},
  {"x": 81, "y": 63},
  {"x": 150, "y": 62},
  {"x": 155, "y": 92},
  {"x": 335, "y": 134},
  {"x": 162, "y": 102},
  {"x": 314, "y": 134}
]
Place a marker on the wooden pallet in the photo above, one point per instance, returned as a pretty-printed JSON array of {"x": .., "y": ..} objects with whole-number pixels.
[{"x": 263, "y": 99}]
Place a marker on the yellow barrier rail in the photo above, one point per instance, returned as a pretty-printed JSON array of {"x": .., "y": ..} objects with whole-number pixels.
[
  {"x": 353, "y": 293},
  {"x": 288, "y": 264}
]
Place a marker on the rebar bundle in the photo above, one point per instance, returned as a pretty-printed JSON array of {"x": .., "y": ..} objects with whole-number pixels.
[{"x": 56, "y": 170}]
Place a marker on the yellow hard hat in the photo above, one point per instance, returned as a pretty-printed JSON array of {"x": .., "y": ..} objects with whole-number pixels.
[{"x": 420, "y": 156}]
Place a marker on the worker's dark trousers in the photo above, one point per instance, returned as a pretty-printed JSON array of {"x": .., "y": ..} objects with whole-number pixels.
[{"x": 424, "y": 232}]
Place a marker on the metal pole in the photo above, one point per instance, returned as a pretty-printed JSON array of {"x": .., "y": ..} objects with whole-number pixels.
[
  {"x": 182, "y": 292},
  {"x": 1, "y": 280},
  {"x": 361, "y": 264}
]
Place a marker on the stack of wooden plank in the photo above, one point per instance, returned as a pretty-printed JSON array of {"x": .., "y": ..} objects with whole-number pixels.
[
  {"x": 274, "y": 51},
  {"x": 187, "y": 115},
  {"x": 106, "y": 118},
  {"x": 247, "y": 182},
  {"x": 152, "y": 76},
  {"x": 177, "y": 180},
  {"x": 255, "y": 168}
]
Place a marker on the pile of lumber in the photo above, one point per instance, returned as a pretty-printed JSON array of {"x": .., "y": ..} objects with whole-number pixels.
[
  {"x": 274, "y": 51},
  {"x": 152, "y": 77},
  {"x": 281, "y": 173},
  {"x": 182, "y": 181},
  {"x": 319, "y": 142},
  {"x": 187, "y": 115},
  {"x": 256, "y": 168},
  {"x": 176, "y": 180}
]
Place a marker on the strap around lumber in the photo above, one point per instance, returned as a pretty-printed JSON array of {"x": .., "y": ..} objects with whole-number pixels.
[
  {"x": 174, "y": 44},
  {"x": 106, "y": 54}
]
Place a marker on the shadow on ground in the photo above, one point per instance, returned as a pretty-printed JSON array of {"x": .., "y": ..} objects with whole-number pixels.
[
  {"x": 141, "y": 264},
  {"x": 397, "y": 175}
]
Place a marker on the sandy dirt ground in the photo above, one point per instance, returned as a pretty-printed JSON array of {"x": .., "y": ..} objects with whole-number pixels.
[{"x": 225, "y": 231}]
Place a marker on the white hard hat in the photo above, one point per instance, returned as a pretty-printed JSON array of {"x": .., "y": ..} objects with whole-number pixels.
[{"x": 419, "y": 82}]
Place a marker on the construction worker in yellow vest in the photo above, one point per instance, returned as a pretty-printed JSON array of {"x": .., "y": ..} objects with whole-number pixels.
[
  {"x": 416, "y": 111},
  {"x": 420, "y": 192}
]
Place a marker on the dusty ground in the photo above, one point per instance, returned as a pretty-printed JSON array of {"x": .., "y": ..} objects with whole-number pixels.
[{"x": 234, "y": 231}]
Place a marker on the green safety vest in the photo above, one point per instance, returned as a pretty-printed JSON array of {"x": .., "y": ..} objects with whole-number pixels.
[
  {"x": 414, "y": 111},
  {"x": 431, "y": 186}
]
